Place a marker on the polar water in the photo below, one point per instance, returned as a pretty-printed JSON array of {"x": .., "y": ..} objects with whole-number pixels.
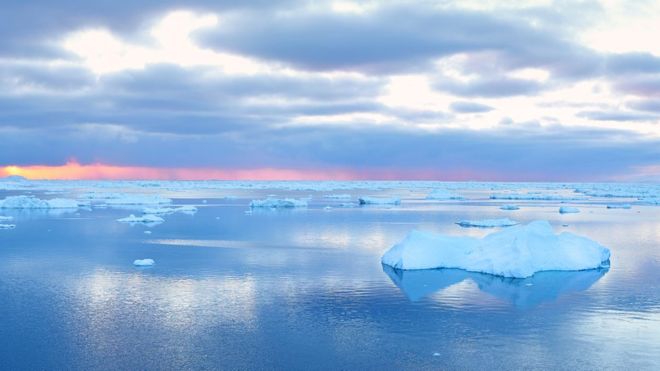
[{"x": 195, "y": 275}]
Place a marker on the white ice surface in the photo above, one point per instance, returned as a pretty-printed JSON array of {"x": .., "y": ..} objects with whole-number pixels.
[
  {"x": 144, "y": 262},
  {"x": 568, "y": 210},
  {"x": 443, "y": 194},
  {"x": 31, "y": 202},
  {"x": 7, "y": 226},
  {"x": 518, "y": 251},
  {"x": 144, "y": 219},
  {"x": 487, "y": 223},
  {"x": 277, "y": 203}
]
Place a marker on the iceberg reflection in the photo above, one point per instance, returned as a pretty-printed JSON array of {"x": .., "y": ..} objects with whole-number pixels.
[{"x": 523, "y": 293}]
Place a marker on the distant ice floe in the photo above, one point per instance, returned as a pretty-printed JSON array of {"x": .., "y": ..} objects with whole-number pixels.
[
  {"x": 125, "y": 199},
  {"x": 443, "y": 194},
  {"x": 5, "y": 218},
  {"x": 533, "y": 197},
  {"x": 487, "y": 223},
  {"x": 519, "y": 251},
  {"x": 568, "y": 210},
  {"x": 186, "y": 209},
  {"x": 342, "y": 196},
  {"x": 7, "y": 226},
  {"x": 619, "y": 206},
  {"x": 509, "y": 207},
  {"x": 278, "y": 203},
  {"x": 31, "y": 202},
  {"x": 144, "y": 262},
  {"x": 146, "y": 219},
  {"x": 369, "y": 200}
]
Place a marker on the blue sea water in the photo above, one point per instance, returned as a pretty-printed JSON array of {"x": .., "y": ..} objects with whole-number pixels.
[{"x": 304, "y": 289}]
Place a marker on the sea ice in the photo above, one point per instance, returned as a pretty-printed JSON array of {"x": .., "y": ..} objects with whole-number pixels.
[
  {"x": 518, "y": 251},
  {"x": 186, "y": 209},
  {"x": 31, "y": 202},
  {"x": 338, "y": 196},
  {"x": 276, "y": 203},
  {"x": 487, "y": 223},
  {"x": 144, "y": 262},
  {"x": 143, "y": 219},
  {"x": 7, "y": 226},
  {"x": 442, "y": 194},
  {"x": 5, "y": 218},
  {"x": 368, "y": 200},
  {"x": 509, "y": 207},
  {"x": 619, "y": 206},
  {"x": 568, "y": 210}
]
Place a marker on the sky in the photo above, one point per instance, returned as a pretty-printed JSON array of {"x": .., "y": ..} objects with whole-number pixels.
[{"x": 446, "y": 90}]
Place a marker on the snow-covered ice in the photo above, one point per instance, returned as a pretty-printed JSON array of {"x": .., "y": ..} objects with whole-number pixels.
[
  {"x": 519, "y": 251},
  {"x": 487, "y": 223},
  {"x": 443, "y": 194},
  {"x": 31, "y": 202},
  {"x": 144, "y": 262},
  {"x": 568, "y": 210},
  {"x": 509, "y": 207},
  {"x": 369, "y": 200},
  {"x": 277, "y": 203},
  {"x": 619, "y": 206},
  {"x": 143, "y": 219}
]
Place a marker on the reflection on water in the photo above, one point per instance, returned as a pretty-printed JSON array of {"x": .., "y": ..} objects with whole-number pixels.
[
  {"x": 521, "y": 292},
  {"x": 292, "y": 289}
]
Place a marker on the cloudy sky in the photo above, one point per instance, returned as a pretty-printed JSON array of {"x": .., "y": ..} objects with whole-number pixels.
[{"x": 465, "y": 90}]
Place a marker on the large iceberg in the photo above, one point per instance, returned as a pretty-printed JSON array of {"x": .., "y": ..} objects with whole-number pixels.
[
  {"x": 31, "y": 202},
  {"x": 277, "y": 203},
  {"x": 487, "y": 223},
  {"x": 368, "y": 200},
  {"x": 518, "y": 251}
]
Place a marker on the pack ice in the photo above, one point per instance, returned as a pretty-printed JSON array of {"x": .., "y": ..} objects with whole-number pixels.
[
  {"x": 31, "y": 202},
  {"x": 518, "y": 251}
]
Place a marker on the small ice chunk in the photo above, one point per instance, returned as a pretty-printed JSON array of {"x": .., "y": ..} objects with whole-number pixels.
[
  {"x": 619, "y": 206},
  {"x": 487, "y": 223},
  {"x": 568, "y": 210},
  {"x": 369, "y": 200},
  {"x": 144, "y": 262},
  {"x": 147, "y": 232},
  {"x": 142, "y": 219},
  {"x": 7, "y": 226},
  {"x": 443, "y": 194},
  {"x": 327, "y": 208},
  {"x": 509, "y": 207},
  {"x": 338, "y": 196},
  {"x": 519, "y": 251},
  {"x": 278, "y": 203}
]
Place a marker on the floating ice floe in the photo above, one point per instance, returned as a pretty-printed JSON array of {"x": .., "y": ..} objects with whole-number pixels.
[
  {"x": 31, "y": 202},
  {"x": 509, "y": 207},
  {"x": 338, "y": 196},
  {"x": 126, "y": 199},
  {"x": 568, "y": 210},
  {"x": 487, "y": 223},
  {"x": 7, "y": 226},
  {"x": 368, "y": 200},
  {"x": 518, "y": 251},
  {"x": 186, "y": 209},
  {"x": 443, "y": 194},
  {"x": 619, "y": 206},
  {"x": 278, "y": 203},
  {"x": 533, "y": 197},
  {"x": 5, "y": 218},
  {"x": 144, "y": 262},
  {"x": 142, "y": 219}
]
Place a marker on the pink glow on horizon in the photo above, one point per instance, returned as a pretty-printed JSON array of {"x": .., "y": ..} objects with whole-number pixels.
[{"x": 73, "y": 170}]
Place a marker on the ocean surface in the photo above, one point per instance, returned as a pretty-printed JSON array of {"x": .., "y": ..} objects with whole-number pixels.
[{"x": 303, "y": 288}]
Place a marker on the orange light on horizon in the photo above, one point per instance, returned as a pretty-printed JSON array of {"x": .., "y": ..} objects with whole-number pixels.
[{"x": 72, "y": 170}]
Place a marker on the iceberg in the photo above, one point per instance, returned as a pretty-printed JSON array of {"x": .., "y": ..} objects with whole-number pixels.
[
  {"x": 31, "y": 202},
  {"x": 7, "y": 226},
  {"x": 487, "y": 223},
  {"x": 519, "y": 251},
  {"x": 442, "y": 194},
  {"x": 509, "y": 207},
  {"x": 144, "y": 262},
  {"x": 368, "y": 200},
  {"x": 568, "y": 210},
  {"x": 277, "y": 203},
  {"x": 143, "y": 219},
  {"x": 619, "y": 206}
]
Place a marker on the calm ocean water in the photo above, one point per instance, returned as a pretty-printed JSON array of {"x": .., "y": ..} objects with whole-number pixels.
[{"x": 304, "y": 289}]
